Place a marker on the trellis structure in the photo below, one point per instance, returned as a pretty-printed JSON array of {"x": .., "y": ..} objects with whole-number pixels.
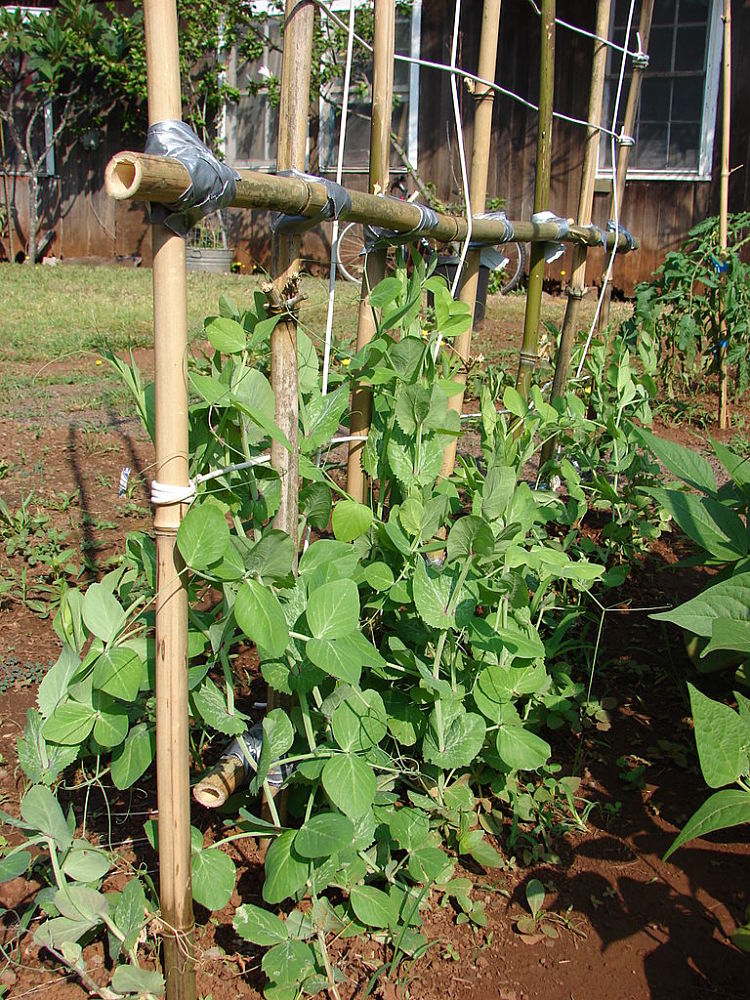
[{"x": 162, "y": 180}]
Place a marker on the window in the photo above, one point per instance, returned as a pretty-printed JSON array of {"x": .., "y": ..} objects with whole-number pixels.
[
  {"x": 405, "y": 100},
  {"x": 674, "y": 129},
  {"x": 251, "y": 124}
]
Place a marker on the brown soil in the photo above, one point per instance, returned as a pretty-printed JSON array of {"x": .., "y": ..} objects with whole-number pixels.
[{"x": 629, "y": 926}]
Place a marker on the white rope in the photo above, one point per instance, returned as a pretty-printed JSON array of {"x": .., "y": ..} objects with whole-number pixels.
[
  {"x": 613, "y": 156},
  {"x": 339, "y": 177}
]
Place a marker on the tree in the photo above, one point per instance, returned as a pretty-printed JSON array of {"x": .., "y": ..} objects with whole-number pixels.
[{"x": 65, "y": 65}]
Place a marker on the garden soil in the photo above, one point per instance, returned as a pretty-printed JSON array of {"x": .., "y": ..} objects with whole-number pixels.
[{"x": 628, "y": 925}]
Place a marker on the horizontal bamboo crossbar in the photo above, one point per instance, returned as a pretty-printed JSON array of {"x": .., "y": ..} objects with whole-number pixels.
[{"x": 141, "y": 177}]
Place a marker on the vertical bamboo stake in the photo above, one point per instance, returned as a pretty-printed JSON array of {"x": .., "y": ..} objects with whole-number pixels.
[
  {"x": 527, "y": 361},
  {"x": 480, "y": 162},
  {"x": 577, "y": 287},
  {"x": 171, "y": 444},
  {"x": 292, "y": 148},
  {"x": 726, "y": 119},
  {"x": 628, "y": 127},
  {"x": 380, "y": 148}
]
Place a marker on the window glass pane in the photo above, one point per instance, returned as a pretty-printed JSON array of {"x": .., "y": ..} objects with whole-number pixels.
[
  {"x": 690, "y": 51},
  {"x": 656, "y": 93},
  {"x": 684, "y": 147},
  {"x": 664, "y": 11},
  {"x": 687, "y": 103},
  {"x": 694, "y": 11},
  {"x": 651, "y": 151},
  {"x": 660, "y": 50}
]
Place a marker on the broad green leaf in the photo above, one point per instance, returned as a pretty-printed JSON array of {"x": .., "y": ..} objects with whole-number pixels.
[
  {"x": 729, "y": 807},
  {"x": 261, "y": 617},
  {"x": 328, "y": 552},
  {"x": 79, "y": 902},
  {"x": 729, "y": 634},
  {"x": 409, "y": 828},
  {"x": 406, "y": 721},
  {"x": 492, "y": 690},
  {"x": 721, "y": 737},
  {"x": 130, "y": 912},
  {"x": 738, "y": 466},
  {"x": 514, "y": 402},
  {"x": 258, "y": 926},
  {"x": 520, "y": 749},
  {"x": 226, "y": 335},
  {"x": 289, "y": 964},
  {"x": 307, "y": 363},
  {"x": 728, "y": 599},
  {"x": 523, "y": 644},
  {"x": 474, "y": 844},
  {"x": 39, "y": 760},
  {"x": 54, "y": 685},
  {"x": 112, "y": 723},
  {"x": 333, "y": 610},
  {"x": 682, "y": 462},
  {"x": 350, "y": 519},
  {"x": 373, "y": 907},
  {"x": 432, "y": 594},
  {"x": 324, "y": 415},
  {"x": 131, "y": 979},
  {"x": 134, "y": 757},
  {"x": 60, "y": 930},
  {"x": 119, "y": 672},
  {"x": 85, "y": 863},
  {"x": 14, "y": 865},
  {"x": 341, "y": 658},
  {"x": 211, "y": 702},
  {"x": 278, "y": 736},
  {"x": 360, "y": 721},
  {"x": 430, "y": 864},
  {"x": 203, "y": 536},
  {"x": 711, "y": 524},
  {"x": 461, "y": 740},
  {"x": 102, "y": 612},
  {"x": 350, "y": 784},
  {"x": 385, "y": 292},
  {"x": 214, "y": 876},
  {"x": 459, "y": 797},
  {"x": 324, "y": 834},
  {"x": 69, "y": 724},
  {"x": 286, "y": 870},
  {"x": 535, "y": 893},
  {"x": 252, "y": 393},
  {"x": 470, "y": 536}
]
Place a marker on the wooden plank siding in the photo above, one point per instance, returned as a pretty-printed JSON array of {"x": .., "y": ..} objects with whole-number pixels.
[{"x": 660, "y": 213}]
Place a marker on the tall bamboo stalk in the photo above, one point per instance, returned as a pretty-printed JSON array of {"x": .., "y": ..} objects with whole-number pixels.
[
  {"x": 285, "y": 266},
  {"x": 726, "y": 120},
  {"x": 623, "y": 158},
  {"x": 577, "y": 285},
  {"x": 480, "y": 163},
  {"x": 171, "y": 445},
  {"x": 380, "y": 147},
  {"x": 527, "y": 361}
]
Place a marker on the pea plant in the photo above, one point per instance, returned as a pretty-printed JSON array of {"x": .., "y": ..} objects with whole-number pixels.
[{"x": 418, "y": 656}]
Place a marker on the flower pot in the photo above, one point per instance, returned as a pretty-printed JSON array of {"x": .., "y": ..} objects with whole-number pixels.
[{"x": 215, "y": 260}]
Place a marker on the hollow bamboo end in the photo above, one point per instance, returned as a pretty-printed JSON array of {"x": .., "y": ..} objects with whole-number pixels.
[
  {"x": 122, "y": 176},
  {"x": 214, "y": 789}
]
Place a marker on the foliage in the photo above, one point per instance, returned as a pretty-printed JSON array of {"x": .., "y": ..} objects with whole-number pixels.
[
  {"x": 696, "y": 294},
  {"x": 424, "y": 649}
]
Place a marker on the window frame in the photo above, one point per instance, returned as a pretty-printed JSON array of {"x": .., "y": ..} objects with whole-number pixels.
[
  {"x": 708, "y": 115},
  {"x": 327, "y": 138}
]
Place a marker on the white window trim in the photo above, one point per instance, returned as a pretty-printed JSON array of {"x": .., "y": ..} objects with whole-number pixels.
[
  {"x": 708, "y": 121},
  {"x": 326, "y": 140}
]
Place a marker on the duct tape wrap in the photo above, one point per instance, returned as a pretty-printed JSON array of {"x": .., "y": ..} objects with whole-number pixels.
[
  {"x": 253, "y": 740},
  {"x": 377, "y": 238},
  {"x": 507, "y": 236},
  {"x": 620, "y": 230},
  {"x": 213, "y": 184},
  {"x": 597, "y": 235},
  {"x": 338, "y": 201},
  {"x": 553, "y": 249}
]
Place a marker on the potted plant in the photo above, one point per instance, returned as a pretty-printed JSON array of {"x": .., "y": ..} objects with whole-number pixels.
[{"x": 207, "y": 248}]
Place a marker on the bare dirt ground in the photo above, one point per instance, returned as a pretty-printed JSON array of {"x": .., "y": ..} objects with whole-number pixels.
[{"x": 629, "y": 926}]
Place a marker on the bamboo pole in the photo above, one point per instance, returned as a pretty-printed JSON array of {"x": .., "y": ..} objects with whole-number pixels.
[
  {"x": 380, "y": 148},
  {"x": 480, "y": 163},
  {"x": 527, "y": 361},
  {"x": 577, "y": 287},
  {"x": 285, "y": 266},
  {"x": 628, "y": 127},
  {"x": 171, "y": 446},
  {"x": 726, "y": 119},
  {"x": 140, "y": 176}
]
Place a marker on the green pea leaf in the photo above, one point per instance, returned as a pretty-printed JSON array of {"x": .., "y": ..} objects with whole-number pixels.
[
  {"x": 323, "y": 835},
  {"x": 102, "y": 612},
  {"x": 373, "y": 907},
  {"x": 203, "y": 536},
  {"x": 14, "y": 865},
  {"x": 84, "y": 863},
  {"x": 350, "y": 520},
  {"x": 226, "y": 335},
  {"x": 70, "y": 724},
  {"x": 521, "y": 749},
  {"x": 286, "y": 870},
  {"x": 360, "y": 721},
  {"x": 350, "y": 784},
  {"x": 214, "y": 876},
  {"x": 129, "y": 979},
  {"x": 119, "y": 672},
  {"x": 469, "y": 537},
  {"x": 461, "y": 740},
  {"x": 289, "y": 963},
  {"x": 259, "y": 926},
  {"x": 333, "y": 610},
  {"x": 134, "y": 757},
  {"x": 261, "y": 617},
  {"x": 341, "y": 658}
]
